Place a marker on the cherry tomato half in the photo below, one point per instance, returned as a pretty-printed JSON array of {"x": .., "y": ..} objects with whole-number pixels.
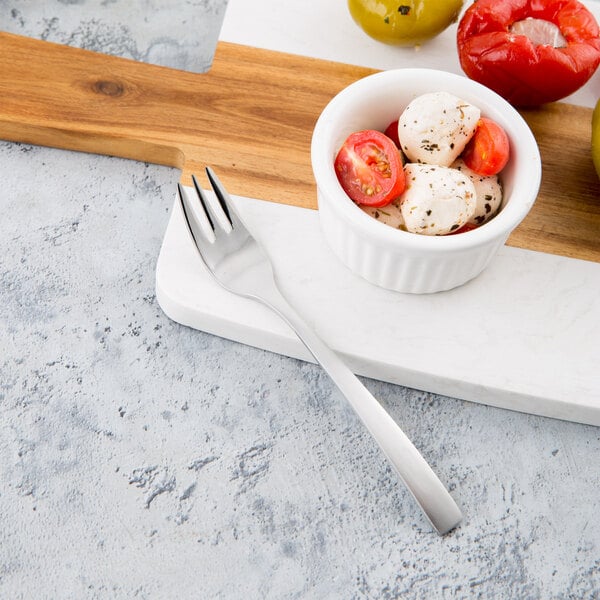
[
  {"x": 487, "y": 151},
  {"x": 529, "y": 51},
  {"x": 369, "y": 168}
]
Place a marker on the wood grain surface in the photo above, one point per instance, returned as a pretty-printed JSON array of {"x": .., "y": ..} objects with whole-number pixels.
[{"x": 251, "y": 117}]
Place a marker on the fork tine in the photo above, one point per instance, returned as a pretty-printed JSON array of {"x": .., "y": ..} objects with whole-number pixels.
[
  {"x": 215, "y": 207},
  {"x": 222, "y": 196},
  {"x": 203, "y": 201},
  {"x": 198, "y": 230},
  {"x": 220, "y": 192}
]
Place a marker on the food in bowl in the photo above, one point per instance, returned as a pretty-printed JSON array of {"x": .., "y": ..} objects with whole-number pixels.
[
  {"x": 434, "y": 128},
  {"x": 390, "y": 257},
  {"x": 369, "y": 168},
  {"x": 437, "y": 200},
  {"x": 439, "y": 173},
  {"x": 488, "y": 193}
]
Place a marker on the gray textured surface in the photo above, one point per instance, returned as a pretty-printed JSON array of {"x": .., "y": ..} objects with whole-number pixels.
[
  {"x": 176, "y": 33},
  {"x": 141, "y": 459}
]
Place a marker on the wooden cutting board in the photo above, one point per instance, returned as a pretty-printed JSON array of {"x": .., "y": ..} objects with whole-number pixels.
[{"x": 251, "y": 117}]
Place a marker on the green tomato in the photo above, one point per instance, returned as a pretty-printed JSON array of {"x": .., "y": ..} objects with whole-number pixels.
[
  {"x": 596, "y": 137},
  {"x": 404, "y": 23}
]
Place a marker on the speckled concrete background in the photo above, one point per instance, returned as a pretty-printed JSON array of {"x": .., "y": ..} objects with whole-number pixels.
[
  {"x": 142, "y": 459},
  {"x": 175, "y": 33}
]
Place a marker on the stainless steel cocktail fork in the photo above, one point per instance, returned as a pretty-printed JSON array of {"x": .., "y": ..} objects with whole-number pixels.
[{"x": 240, "y": 265}]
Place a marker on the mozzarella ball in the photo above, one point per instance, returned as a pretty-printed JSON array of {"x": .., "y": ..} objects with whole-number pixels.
[
  {"x": 437, "y": 200},
  {"x": 390, "y": 214},
  {"x": 488, "y": 192},
  {"x": 435, "y": 128}
]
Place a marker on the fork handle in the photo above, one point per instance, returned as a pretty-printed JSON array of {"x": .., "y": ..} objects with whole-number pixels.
[{"x": 429, "y": 492}]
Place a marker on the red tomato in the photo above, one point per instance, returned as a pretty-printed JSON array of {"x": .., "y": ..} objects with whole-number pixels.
[
  {"x": 487, "y": 151},
  {"x": 466, "y": 227},
  {"x": 392, "y": 132},
  {"x": 508, "y": 46},
  {"x": 369, "y": 168}
]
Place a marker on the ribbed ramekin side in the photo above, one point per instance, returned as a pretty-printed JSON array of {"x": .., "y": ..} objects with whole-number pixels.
[{"x": 394, "y": 269}]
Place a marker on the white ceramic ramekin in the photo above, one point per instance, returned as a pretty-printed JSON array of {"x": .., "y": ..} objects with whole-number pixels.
[{"x": 395, "y": 259}]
